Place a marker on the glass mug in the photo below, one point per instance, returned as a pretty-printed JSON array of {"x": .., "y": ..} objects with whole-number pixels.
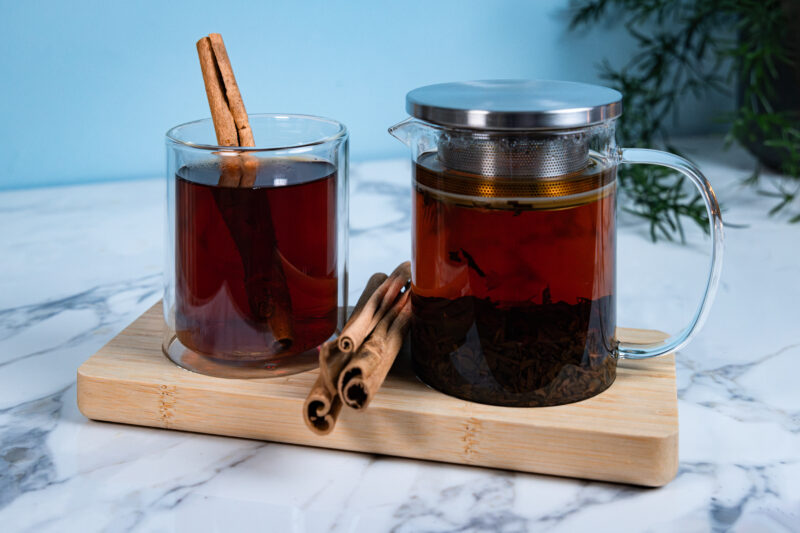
[
  {"x": 514, "y": 240},
  {"x": 256, "y": 246}
]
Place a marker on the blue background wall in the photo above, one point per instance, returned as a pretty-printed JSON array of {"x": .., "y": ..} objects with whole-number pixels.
[{"x": 88, "y": 88}]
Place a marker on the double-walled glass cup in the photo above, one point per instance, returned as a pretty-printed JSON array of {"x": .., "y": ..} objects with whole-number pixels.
[
  {"x": 514, "y": 240},
  {"x": 256, "y": 246}
]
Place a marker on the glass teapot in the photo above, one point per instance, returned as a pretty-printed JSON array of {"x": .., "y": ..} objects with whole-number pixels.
[{"x": 514, "y": 239}]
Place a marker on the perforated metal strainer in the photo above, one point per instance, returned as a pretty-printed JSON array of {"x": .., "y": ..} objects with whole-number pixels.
[
  {"x": 514, "y": 154},
  {"x": 514, "y": 128}
]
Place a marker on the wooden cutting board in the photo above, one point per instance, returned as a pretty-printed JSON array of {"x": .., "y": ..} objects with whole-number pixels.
[{"x": 628, "y": 433}]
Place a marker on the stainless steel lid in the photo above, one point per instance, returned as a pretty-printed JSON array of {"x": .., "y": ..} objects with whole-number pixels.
[{"x": 514, "y": 105}]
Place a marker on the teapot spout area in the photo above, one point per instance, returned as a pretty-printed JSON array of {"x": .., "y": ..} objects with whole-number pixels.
[
  {"x": 404, "y": 131},
  {"x": 421, "y": 137}
]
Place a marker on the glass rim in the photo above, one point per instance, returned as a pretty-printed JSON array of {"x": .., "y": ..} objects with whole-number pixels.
[{"x": 340, "y": 133}]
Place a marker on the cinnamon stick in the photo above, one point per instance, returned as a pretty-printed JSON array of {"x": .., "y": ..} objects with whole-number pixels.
[
  {"x": 234, "y": 98},
  {"x": 267, "y": 292},
  {"x": 224, "y": 125},
  {"x": 228, "y": 113},
  {"x": 369, "y": 366},
  {"x": 321, "y": 409},
  {"x": 231, "y": 170},
  {"x": 249, "y": 165},
  {"x": 331, "y": 358},
  {"x": 323, "y": 404},
  {"x": 361, "y": 324}
]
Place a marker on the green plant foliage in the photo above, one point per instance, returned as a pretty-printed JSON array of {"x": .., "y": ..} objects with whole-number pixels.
[{"x": 700, "y": 48}]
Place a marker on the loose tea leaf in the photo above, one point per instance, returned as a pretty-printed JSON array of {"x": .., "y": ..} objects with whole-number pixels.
[{"x": 530, "y": 355}]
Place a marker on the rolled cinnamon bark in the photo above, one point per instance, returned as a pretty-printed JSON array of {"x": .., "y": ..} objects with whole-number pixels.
[
  {"x": 267, "y": 292},
  {"x": 373, "y": 283},
  {"x": 249, "y": 165},
  {"x": 321, "y": 409},
  {"x": 232, "y": 94},
  {"x": 360, "y": 326},
  {"x": 323, "y": 405},
  {"x": 268, "y": 296},
  {"x": 231, "y": 124},
  {"x": 224, "y": 125},
  {"x": 368, "y": 367},
  {"x": 331, "y": 358},
  {"x": 230, "y": 170},
  {"x": 331, "y": 362}
]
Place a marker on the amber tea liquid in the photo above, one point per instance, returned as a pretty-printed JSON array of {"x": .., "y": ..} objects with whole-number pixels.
[
  {"x": 256, "y": 267},
  {"x": 513, "y": 297}
]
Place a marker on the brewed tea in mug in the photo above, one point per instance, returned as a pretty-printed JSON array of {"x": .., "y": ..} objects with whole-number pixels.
[{"x": 255, "y": 267}]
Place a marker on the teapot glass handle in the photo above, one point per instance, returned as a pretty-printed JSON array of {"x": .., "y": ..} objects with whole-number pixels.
[{"x": 664, "y": 159}]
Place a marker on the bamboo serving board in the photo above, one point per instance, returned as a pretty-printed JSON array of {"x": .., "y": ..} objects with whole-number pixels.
[{"x": 628, "y": 433}]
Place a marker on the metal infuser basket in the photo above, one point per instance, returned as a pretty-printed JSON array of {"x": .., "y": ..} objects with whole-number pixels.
[
  {"x": 510, "y": 165},
  {"x": 504, "y": 154}
]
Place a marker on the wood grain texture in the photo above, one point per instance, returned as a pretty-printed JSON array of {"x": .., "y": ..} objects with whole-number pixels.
[{"x": 628, "y": 433}]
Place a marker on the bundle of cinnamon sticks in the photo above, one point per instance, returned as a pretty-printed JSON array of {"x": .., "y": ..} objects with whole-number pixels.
[{"x": 354, "y": 366}]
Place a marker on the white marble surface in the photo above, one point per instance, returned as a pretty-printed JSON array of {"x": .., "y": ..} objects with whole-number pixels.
[{"x": 77, "y": 264}]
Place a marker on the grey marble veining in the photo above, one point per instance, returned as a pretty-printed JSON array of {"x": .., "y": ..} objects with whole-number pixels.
[
  {"x": 77, "y": 264},
  {"x": 26, "y": 462}
]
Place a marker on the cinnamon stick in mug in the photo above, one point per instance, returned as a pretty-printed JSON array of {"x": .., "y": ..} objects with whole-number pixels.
[
  {"x": 268, "y": 296},
  {"x": 224, "y": 125},
  {"x": 232, "y": 94}
]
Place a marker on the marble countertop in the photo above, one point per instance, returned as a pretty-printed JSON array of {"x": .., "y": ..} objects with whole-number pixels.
[{"x": 77, "y": 264}]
